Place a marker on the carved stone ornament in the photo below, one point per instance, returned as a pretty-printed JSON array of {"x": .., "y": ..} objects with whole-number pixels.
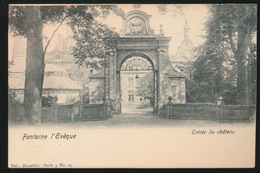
[
  {"x": 136, "y": 23},
  {"x": 136, "y": 26}
]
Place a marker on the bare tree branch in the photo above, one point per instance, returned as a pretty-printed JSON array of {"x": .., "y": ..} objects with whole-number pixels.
[{"x": 45, "y": 49}]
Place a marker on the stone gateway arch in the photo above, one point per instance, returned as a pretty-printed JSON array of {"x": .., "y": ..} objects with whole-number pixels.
[{"x": 137, "y": 39}]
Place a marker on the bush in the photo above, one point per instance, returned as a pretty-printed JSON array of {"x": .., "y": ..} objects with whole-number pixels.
[
  {"x": 144, "y": 104},
  {"x": 47, "y": 101},
  {"x": 15, "y": 110}
]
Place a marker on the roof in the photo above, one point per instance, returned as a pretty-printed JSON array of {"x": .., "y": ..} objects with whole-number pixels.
[
  {"x": 184, "y": 52},
  {"x": 172, "y": 72},
  {"x": 57, "y": 83},
  {"x": 60, "y": 83},
  {"x": 16, "y": 83}
]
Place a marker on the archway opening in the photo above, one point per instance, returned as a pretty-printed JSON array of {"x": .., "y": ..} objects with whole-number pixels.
[{"x": 137, "y": 85}]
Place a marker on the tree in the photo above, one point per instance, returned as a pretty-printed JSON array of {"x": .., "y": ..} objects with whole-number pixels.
[
  {"x": 174, "y": 9},
  {"x": 144, "y": 86},
  {"x": 32, "y": 21},
  {"x": 226, "y": 56},
  {"x": 28, "y": 21},
  {"x": 252, "y": 72},
  {"x": 205, "y": 84},
  {"x": 91, "y": 48},
  {"x": 235, "y": 26}
]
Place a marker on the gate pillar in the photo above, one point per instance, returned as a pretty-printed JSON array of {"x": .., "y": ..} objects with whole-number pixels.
[
  {"x": 114, "y": 77},
  {"x": 137, "y": 38},
  {"x": 161, "y": 95}
]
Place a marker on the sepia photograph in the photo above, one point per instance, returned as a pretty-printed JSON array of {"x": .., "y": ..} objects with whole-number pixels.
[{"x": 132, "y": 85}]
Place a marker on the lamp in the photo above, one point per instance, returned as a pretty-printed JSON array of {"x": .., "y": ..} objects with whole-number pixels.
[{"x": 137, "y": 77}]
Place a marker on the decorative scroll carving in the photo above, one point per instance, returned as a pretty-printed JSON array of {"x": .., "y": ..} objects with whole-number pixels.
[
  {"x": 136, "y": 26},
  {"x": 137, "y": 23}
]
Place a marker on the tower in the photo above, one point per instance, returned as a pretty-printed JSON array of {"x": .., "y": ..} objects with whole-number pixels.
[{"x": 186, "y": 30}]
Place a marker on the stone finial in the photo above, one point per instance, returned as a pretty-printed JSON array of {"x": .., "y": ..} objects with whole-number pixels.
[
  {"x": 161, "y": 29},
  {"x": 170, "y": 101}
]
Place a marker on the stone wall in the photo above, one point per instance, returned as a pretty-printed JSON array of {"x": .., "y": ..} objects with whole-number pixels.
[{"x": 236, "y": 113}]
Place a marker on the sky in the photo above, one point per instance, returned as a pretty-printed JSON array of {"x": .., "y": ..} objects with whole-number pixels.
[
  {"x": 195, "y": 14},
  {"x": 173, "y": 25}
]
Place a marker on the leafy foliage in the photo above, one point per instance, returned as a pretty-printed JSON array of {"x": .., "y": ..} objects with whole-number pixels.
[
  {"x": 15, "y": 110},
  {"x": 89, "y": 34},
  {"x": 49, "y": 14},
  {"x": 253, "y": 72},
  {"x": 174, "y": 9},
  {"x": 222, "y": 60},
  {"x": 235, "y": 26},
  {"x": 144, "y": 86}
]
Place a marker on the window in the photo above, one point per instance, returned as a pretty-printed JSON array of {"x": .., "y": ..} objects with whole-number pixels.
[
  {"x": 50, "y": 73},
  {"x": 131, "y": 96},
  {"x": 130, "y": 82},
  {"x": 57, "y": 56},
  {"x": 174, "y": 94}
]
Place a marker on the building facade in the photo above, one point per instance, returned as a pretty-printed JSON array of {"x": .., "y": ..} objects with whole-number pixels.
[
  {"x": 137, "y": 52},
  {"x": 57, "y": 81},
  {"x": 137, "y": 39}
]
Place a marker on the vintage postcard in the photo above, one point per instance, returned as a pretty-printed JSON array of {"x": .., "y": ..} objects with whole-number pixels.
[{"x": 132, "y": 85}]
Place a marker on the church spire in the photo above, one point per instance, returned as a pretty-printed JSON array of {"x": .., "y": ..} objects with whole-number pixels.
[{"x": 186, "y": 30}]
